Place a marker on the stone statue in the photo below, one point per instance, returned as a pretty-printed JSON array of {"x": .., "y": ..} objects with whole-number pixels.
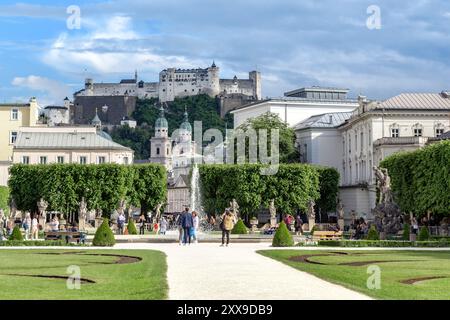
[
  {"x": 340, "y": 210},
  {"x": 311, "y": 212},
  {"x": 158, "y": 211},
  {"x": 82, "y": 211},
  {"x": 272, "y": 209},
  {"x": 234, "y": 207},
  {"x": 384, "y": 184},
  {"x": 42, "y": 207},
  {"x": 122, "y": 205},
  {"x": 13, "y": 210}
]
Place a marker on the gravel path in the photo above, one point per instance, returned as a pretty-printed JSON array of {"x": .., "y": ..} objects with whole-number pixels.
[{"x": 207, "y": 271}]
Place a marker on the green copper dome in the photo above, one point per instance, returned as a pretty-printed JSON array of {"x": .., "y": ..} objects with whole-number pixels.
[
  {"x": 161, "y": 122},
  {"x": 186, "y": 125}
]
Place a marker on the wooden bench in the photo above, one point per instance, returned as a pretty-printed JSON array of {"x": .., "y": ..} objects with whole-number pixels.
[
  {"x": 69, "y": 236},
  {"x": 327, "y": 235}
]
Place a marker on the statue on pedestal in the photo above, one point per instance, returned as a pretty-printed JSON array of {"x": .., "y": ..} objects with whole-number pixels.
[
  {"x": 42, "y": 208},
  {"x": 311, "y": 212},
  {"x": 384, "y": 184},
  {"x": 340, "y": 210},
  {"x": 158, "y": 211},
  {"x": 234, "y": 207},
  {"x": 273, "y": 213},
  {"x": 82, "y": 214}
]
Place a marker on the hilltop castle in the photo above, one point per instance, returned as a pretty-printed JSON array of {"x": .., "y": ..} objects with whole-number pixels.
[{"x": 175, "y": 83}]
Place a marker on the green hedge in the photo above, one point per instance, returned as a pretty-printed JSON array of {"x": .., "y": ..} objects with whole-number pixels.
[
  {"x": 421, "y": 179},
  {"x": 4, "y": 199},
  {"x": 383, "y": 243},
  {"x": 102, "y": 186},
  {"x": 35, "y": 243},
  {"x": 291, "y": 187},
  {"x": 239, "y": 228},
  {"x": 282, "y": 237}
]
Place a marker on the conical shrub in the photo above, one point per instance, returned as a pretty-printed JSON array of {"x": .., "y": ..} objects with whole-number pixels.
[
  {"x": 406, "y": 232},
  {"x": 283, "y": 237},
  {"x": 424, "y": 235},
  {"x": 16, "y": 234},
  {"x": 373, "y": 234},
  {"x": 239, "y": 228},
  {"x": 104, "y": 237},
  {"x": 131, "y": 227}
]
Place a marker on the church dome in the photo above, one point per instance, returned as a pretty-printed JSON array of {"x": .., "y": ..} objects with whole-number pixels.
[
  {"x": 161, "y": 122},
  {"x": 186, "y": 125}
]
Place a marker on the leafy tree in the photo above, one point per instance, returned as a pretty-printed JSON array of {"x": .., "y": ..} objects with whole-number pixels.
[
  {"x": 270, "y": 121},
  {"x": 329, "y": 189},
  {"x": 283, "y": 237},
  {"x": 16, "y": 234},
  {"x": 4, "y": 199},
  {"x": 239, "y": 228},
  {"x": 104, "y": 237},
  {"x": 137, "y": 139}
]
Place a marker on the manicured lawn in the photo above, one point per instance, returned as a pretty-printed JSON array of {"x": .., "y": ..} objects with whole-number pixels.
[
  {"x": 350, "y": 269},
  {"x": 140, "y": 276}
]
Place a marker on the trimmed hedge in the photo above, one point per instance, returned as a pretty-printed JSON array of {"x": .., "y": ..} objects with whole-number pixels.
[
  {"x": 373, "y": 234},
  {"x": 35, "y": 243},
  {"x": 424, "y": 234},
  {"x": 239, "y": 228},
  {"x": 131, "y": 227},
  {"x": 291, "y": 187},
  {"x": 16, "y": 234},
  {"x": 104, "y": 237},
  {"x": 283, "y": 237},
  {"x": 383, "y": 243},
  {"x": 103, "y": 186}
]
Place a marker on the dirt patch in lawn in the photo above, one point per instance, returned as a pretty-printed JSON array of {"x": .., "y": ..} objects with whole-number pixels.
[
  {"x": 122, "y": 259},
  {"x": 305, "y": 258},
  {"x": 82, "y": 280},
  {"x": 415, "y": 280},
  {"x": 365, "y": 263}
]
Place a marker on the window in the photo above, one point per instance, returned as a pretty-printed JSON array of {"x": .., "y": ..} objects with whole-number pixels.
[
  {"x": 157, "y": 151},
  {"x": 362, "y": 141},
  {"x": 14, "y": 114},
  {"x": 83, "y": 160},
  {"x": 439, "y": 132},
  {"x": 43, "y": 160},
  {"x": 395, "y": 133},
  {"x": 417, "y": 132},
  {"x": 60, "y": 159},
  {"x": 305, "y": 155},
  {"x": 12, "y": 137},
  {"x": 25, "y": 160},
  {"x": 101, "y": 160},
  {"x": 125, "y": 160}
]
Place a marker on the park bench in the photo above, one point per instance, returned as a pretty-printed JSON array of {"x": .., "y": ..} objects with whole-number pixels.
[
  {"x": 327, "y": 235},
  {"x": 69, "y": 236}
]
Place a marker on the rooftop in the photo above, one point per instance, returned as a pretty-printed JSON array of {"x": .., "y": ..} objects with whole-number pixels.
[
  {"x": 326, "y": 120},
  {"x": 65, "y": 140},
  {"x": 431, "y": 101}
]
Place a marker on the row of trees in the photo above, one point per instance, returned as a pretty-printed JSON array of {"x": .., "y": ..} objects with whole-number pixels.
[
  {"x": 420, "y": 180},
  {"x": 103, "y": 186},
  {"x": 292, "y": 187}
]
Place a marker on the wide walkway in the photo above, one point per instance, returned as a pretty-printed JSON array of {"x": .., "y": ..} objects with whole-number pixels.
[{"x": 207, "y": 271}]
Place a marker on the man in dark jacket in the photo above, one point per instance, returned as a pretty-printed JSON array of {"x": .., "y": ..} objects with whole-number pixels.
[{"x": 187, "y": 223}]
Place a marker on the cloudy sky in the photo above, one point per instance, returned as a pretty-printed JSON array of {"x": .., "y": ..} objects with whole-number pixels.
[{"x": 293, "y": 43}]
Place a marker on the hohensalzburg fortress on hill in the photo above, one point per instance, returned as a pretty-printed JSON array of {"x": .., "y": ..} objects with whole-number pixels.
[{"x": 175, "y": 83}]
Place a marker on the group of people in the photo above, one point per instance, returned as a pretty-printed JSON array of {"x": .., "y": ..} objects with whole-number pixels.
[{"x": 188, "y": 224}]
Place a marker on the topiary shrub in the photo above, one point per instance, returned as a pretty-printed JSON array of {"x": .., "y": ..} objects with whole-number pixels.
[
  {"x": 131, "y": 227},
  {"x": 283, "y": 237},
  {"x": 104, "y": 236},
  {"x": 373, "y": 234},
  {"x": 406, "y": 231},
  {"x": 424, "y": 235},
  {"x": 239, "y": 228},
  {"x": 16, "y": 234}
]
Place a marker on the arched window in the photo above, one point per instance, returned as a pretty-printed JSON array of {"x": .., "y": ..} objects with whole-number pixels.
[{"x": 157, "y": 151}]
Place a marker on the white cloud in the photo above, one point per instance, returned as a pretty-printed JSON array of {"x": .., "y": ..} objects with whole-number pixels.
[{"x": 49, "y": 91}]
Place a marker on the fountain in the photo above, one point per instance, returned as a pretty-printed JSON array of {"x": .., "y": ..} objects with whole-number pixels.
[{"x": 196, "y": 200}]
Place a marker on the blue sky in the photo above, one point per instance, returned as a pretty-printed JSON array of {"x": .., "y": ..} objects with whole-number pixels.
[{"x": 293, "y": 43}]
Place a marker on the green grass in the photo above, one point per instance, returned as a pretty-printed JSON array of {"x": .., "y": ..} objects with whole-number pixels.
[
  {"x": 141, "y": 280},
  {"x": 424, "y": 264}
]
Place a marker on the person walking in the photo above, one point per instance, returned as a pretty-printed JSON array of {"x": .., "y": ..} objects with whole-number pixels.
[
  {"x": 34, "y": 228},
  {"x": 187, "y": 223},
  {"x": 27, "y": 226},
  {"x": 195, "y": 227},
  {"x": 298, "y": 225},
  {"x": 180, "y": 229},
  {"x": 121, "y": 222},
  {"x": 142, "y": 224},
  {"x": 226, "y": 226},
  {"x": 163, "y": 226}
]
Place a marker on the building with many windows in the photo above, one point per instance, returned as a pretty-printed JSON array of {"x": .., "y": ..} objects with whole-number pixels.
[
  {"x": 355, "y": 142},
  {"x": 83, "y": 145}
]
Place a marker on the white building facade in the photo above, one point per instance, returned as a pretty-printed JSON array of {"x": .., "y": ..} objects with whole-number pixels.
[{"x": 298, "y": 105}]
